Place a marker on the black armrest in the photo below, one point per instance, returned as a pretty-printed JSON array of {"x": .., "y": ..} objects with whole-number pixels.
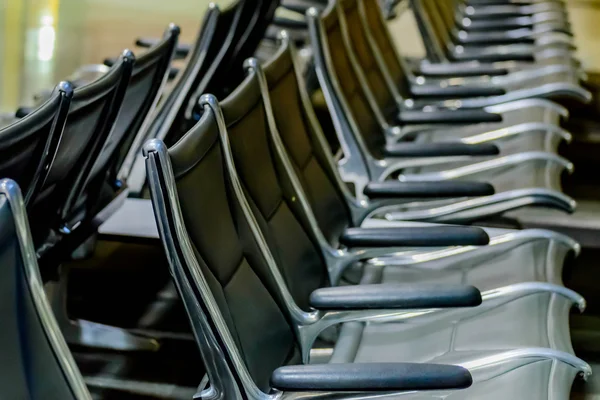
[
  {"x": 454, "y": 92},
  {"x": 23, "y": 111},
  {"x": 440, "y": 149},
  {"x": 396, "y": 189},
  {"x": 470, "y": 53},
  {"x": 391, "y": 296},
  {"x": 415, "y": 236},
  {"x": 487, "y": 38},
  {"x": 109, "y": 62},
  {"x": 370, "y": 377},
  {"x": 290, "y": 23},
  {"x": 459, "y": 70},
  {"x": 181, "y": 51},
  {"x": 303, "y": 5},
  {"x": 470, "y": 116},
  {"x": 480, "y": 23}
]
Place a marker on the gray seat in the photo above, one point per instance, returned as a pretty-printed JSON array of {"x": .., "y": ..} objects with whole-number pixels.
[
  {"x": 36, "y": 362},
  {"x": 226, "y": 269}
]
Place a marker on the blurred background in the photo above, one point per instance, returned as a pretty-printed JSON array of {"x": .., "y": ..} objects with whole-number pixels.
[{"x": 43, "y": 41}]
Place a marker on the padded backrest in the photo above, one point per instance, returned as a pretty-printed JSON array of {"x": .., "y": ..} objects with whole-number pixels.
[
  {"x": 309, "y": 158},
  {"x": 432, "y": 23},
  {"x": 237, "y": 37},
  {"x": 270, "y": 193},
  {"x": 94, "y": 109},
  {"x": 258, "y": 14},
  {"x": 351, "y": 90},
  {"x": 445, "y": 10},
  {"x": 36, "y": 363},
  {"x": 28, "y": 145},
  {"x": 147, "y": 79},
  {"x": 227, "y": 253},
  {"x": 212, "y": 42},
  {"x": 371, "y": 18},
  {"x": 366, "y": 62}
]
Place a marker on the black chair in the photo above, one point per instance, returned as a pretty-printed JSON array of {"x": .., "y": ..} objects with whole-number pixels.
[
  {"x": 225, "y": 72},
  {"x": 223, "y": 48},
  {"x": 214, "y": 28},
  {"x": 28, "y": 146},
  {"x": 148, "y": 77},
  {"x": 226, "y": 39},
  {"x": 221, "y": 270},
  {"x": 36, "y": 361},
  {"x": 239, "y": 280},
  {"x": 332, "y": 210},
  {"x": 371, "y": 153},
  {"x": 66, "y": 192}
]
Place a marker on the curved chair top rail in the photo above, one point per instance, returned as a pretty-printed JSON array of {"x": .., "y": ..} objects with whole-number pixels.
[
  {"x": 33, "y": 347},
  {"x": 30, "y": 143}
]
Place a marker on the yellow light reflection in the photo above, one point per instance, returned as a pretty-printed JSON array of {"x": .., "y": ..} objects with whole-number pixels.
[{"x": 46, "y": 38}]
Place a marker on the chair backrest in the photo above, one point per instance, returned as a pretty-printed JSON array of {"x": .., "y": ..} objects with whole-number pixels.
[
  {"x": 306, "y": 144},
  {"x": 256, "y": 17},
  {"x": 355, "y": 158},
  {"x": 236, "y": 36},
  {"x": 219, "y": 266},
  {"x": 373, "y": 30},
  {"x": 433, "y": 28},
  {"x": 91, "y": 117},
  {"x": 274, "y": 201},
  {"x": 347, "y": 101},
  {"x": 149, "y": 75},
  {"x": 28, "y": 146},
  {"x": 36, "y": 362},
  {"x": 170, "y": 114}
]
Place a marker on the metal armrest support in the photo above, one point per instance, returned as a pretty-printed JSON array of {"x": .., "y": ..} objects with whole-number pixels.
[
  {"x": 392, "y": 296},
  {"x": 489, "y": 165},
  {"x": 481, "y": 207},
  {"x": 310, "y": 330},
  {"x": 371, "y": 377}
]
